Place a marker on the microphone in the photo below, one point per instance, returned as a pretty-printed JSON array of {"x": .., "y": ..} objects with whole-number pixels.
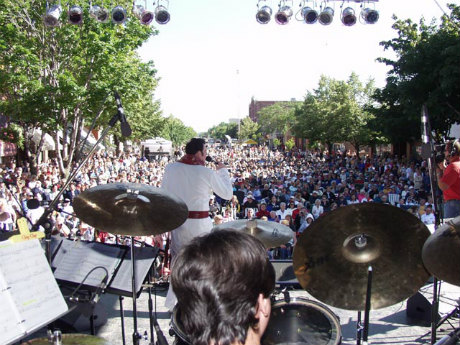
[
  {"x": 124, "y": 125},
  {"x": 210, "y": 159}
]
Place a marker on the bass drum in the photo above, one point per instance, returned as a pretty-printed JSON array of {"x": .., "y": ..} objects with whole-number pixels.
[{"x": 301, "y": 321}]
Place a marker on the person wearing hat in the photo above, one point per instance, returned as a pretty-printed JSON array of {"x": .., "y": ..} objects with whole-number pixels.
[
  {"x": 249, "y": 203},
  {"x": 193, "y": 182}
]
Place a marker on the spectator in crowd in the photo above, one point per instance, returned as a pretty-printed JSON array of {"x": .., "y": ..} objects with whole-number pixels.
[{"x": 428, "y": 218}]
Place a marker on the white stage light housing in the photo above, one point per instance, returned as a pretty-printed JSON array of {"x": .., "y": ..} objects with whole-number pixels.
[
  {"x": 53, "y": 13},
  {"x": 263, "y": 15},
  {"x": 283, "y": 16},
  {"x": 348, "y": 16},
  {"x": 162, "y": 15},
  {"x": 309, "y": 15},
  {"x": 326, "y": 16},
  {"x": 75, "y": 15},
  {"x": 145, "y": 17},
  {"x": 99, "y": 13},
  {"x": 370, "y": 16},
  {"x": 119, "y": 15}
]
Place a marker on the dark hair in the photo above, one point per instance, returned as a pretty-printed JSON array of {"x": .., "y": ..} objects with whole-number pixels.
[
  {"x": 217, "y": 279},
  {"x": 195, "y": 145}
]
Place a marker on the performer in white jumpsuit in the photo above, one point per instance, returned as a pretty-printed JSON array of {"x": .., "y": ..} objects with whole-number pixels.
[{"x": 194, "y": 183}]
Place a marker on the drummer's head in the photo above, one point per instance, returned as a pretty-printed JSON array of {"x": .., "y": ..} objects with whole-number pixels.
[{"x": 223, "y": 281}]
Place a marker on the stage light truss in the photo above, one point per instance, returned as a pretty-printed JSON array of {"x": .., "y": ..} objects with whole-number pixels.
[
  {"x": 312, "y": 11},
  {"x": 118, "y": 14}
]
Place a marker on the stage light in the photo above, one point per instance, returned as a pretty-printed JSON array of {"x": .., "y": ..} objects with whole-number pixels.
[
  {"x": 309, "y": 15},
  {"x": 145, "y": 17},
  {"x": 264, "y": 14},
  {"x": 162, "y": 15},
  {"x": 99, "y": 13},
  {"x": 75, "y": 15},
  {"x": 119, "y": 15},
  {"x": 326, "y": 16},
  {"x": 348, "y": 16},
  {"x": 283, "y": 16},
  {"x": 53, "y": 13},
  {"x": 370, "y": 16}
]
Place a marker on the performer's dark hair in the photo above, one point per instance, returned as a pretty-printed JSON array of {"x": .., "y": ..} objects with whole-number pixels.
[
  {"x": 195, "y": 145},
  {"x": 217, "y": 279}
]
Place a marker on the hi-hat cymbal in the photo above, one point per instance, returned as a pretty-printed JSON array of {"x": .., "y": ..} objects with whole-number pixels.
[
  {"x": 332, "y": 256},
  {"x": 71, "y": 339},
  {"x": 441, "y": 252},
  {"x": 130, "y": 209},
  {"x": 271, "y": 234}
]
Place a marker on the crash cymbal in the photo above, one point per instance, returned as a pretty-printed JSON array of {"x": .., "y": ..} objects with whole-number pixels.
[
  {"x": 271, "y": 234},
  {"x": 71, "y": 339},
  {"x": 332, "y": 256},
  {"x": 130, "y": 209},
  {"x": 441, "y": 252}
]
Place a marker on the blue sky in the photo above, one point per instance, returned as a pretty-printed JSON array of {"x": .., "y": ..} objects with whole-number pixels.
[{"x": 213, "y": 56}]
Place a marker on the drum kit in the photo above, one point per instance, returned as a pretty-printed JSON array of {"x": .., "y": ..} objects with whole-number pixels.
[{"x": 359, "y": 257}]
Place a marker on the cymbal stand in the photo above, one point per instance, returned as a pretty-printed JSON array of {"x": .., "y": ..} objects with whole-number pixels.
[
  {"x": 363, "y": 329},
  {"x": 136, "y": 335}
]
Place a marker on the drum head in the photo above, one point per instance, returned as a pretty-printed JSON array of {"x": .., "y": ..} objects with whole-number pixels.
[{"x": 302, "y": 322}]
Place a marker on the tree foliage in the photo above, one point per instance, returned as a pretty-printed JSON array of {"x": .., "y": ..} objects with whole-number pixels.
[
  {"x": 277, "y": 118},
  {"x": 223, "y": 129},
  {"x": 175, "y": 130},
  {"x": 249, "y": 129},
  {"x": 336, "y": 112},
  {"x": 62, "y": 79},
  {"x": 426, "y": 71}
]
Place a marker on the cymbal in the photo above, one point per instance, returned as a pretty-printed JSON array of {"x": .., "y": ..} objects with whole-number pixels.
[
  {"x": 130, "y": 209},
  {"x": 441, "y": 252},
  {"x": 71, "y": 339},
  {"x": 332, "y": 256},
  {"x": 271, "y": 234}
]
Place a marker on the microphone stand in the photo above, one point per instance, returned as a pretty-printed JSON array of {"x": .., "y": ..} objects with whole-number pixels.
[
  {"x": 43, "y": 220},
  {"x": 426, "y": 136}
]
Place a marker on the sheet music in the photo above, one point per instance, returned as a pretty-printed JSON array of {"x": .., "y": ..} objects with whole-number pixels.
[
  {"x": 75, "y": 259},
  {"x": 30, "y": 296}
]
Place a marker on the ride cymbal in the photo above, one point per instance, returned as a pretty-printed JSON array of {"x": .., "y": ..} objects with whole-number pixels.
[
  {"x": 332, "y": 256},
  {"x": 71, "y": 339},
  {"x": 441, "y": 252},
  {"x": 130, "y": 209},
  {"x": 271, "y": 234}
]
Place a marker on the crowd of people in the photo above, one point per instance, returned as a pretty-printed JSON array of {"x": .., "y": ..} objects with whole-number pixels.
[{"x": 295, "y": 187}]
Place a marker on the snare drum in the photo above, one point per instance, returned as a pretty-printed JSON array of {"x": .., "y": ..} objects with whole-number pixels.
[{"x": 302, "y": 321}]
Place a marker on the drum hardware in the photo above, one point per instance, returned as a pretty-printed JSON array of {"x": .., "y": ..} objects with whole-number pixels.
[
  {"x": 56, "y": 338},
  {"x": 363, "y": 329},
  {"x": 271, "y": 234},
  {"x": 131, "y": 209}
]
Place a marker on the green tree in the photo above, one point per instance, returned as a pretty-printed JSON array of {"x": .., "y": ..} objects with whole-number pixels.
[
  {"x": 277, "y": 118},
  {"x": 336, "y": 112},
  {"x": 62, "y": 79},
  {"x": 223, "y": 129},
  {"x": 426, "y": 71},
  {"x": 249, "y": 129},
  {"x": 290, "y": 144},
  {"x": 175, "y": 130}
]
